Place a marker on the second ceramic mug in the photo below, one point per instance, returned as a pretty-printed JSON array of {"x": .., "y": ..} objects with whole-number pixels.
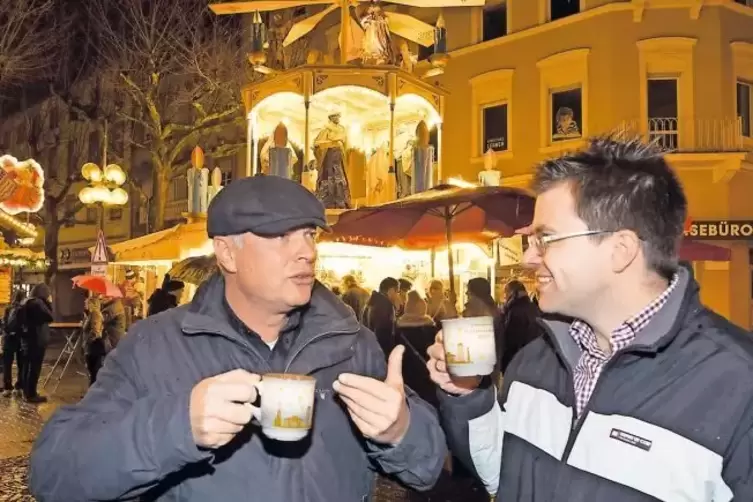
[
  {"x": 287, "y": 405},
  {"x": 469, "y": 346}
]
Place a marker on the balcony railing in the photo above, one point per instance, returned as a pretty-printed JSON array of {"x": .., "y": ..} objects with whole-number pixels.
[{"x": 681, "y": 135}]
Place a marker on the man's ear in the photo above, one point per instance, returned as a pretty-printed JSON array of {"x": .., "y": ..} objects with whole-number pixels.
[
  {"x": 225, "y": 253},
  {"x": 627, "y": 247}
]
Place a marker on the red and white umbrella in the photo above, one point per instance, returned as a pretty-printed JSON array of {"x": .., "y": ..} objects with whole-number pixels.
[{"x": 97, "y": 284}]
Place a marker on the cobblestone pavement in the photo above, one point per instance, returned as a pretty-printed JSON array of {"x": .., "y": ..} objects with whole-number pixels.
[
  {"x": 13, "y": 487},
  {"x": 20, "y": 422}
]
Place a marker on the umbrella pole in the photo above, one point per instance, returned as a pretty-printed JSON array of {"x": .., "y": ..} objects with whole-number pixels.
[{"x": 450, "y": 259}]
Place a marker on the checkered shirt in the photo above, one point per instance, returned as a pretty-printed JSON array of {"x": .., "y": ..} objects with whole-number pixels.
[{"x": 593, "y": 359}]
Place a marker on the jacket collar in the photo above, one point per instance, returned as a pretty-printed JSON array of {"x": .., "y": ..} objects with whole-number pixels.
[
  {"x": 323, "y": 314},
  {"x": 664, "y": 326}
]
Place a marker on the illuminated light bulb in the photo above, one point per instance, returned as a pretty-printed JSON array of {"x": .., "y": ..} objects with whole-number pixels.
[
  {"x": 114, "y": 174},
  {"x": 118, "y": 197},
  {"x": 86, "y": 195},
  {"x": 91, "y": 172}
]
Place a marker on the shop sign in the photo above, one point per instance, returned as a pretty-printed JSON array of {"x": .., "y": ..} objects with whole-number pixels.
[
  {"x": 720, "y": 230},
  {"x": 75, "y": 255}
]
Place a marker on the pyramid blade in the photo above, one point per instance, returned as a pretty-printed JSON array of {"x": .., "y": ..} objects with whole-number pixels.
[
  {"x": 260, "y": 5},
  {"x": 434, "y": 72},
  {"x": 440, "y": 3},
  {"x": 301, "y": 28},
  {"x": 264, "y": 70},
  {"x": 410, "y": 28}
]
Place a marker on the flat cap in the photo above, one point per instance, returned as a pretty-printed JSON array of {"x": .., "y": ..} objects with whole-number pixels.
[{"x": 264, "y": 205}]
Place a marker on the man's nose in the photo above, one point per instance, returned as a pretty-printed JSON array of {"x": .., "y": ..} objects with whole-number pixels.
[
  {"x": 306, "y": 250},
  {"x": 531, "y": 257}
]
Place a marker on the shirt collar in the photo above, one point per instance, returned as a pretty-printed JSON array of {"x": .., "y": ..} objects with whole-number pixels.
[
  {"x": 293, "y": 321},
  {"x": 625, "y": 333}
]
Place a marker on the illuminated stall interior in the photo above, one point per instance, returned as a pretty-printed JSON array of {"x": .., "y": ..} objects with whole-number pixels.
[
  {"x": 380, "y": 114},
  {"x": 371, "y": 264}
]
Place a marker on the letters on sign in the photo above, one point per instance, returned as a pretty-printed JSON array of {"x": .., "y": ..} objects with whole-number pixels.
[{"x": 720, "y": 230}]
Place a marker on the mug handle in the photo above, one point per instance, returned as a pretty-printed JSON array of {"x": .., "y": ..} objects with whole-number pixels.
[{"x": 256, "y": 410}]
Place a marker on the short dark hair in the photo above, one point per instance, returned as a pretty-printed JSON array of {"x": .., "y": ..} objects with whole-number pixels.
[
  {"x": 624, "y": 184},
  {"x": 387, "y": 284},
  {"x": 405, "y": 285}
]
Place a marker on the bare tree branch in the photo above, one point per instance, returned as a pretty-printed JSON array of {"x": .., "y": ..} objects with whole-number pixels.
[
  {"x": 183, "y": 68},
  {"x": 30, "y": 34}
]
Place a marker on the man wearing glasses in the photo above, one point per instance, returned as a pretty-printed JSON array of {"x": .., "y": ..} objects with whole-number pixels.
[{"x": 636, "y": 392}]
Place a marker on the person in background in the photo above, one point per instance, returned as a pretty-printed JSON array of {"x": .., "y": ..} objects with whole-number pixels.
[
  {"x": 519, "y": 323},
  {"x": 354, "y": 295},
  {"x": 37, "y": 316},
  {"x": 165, "y": 297},
  {"x": 480, "y": 301},
  {"x": 439, "y": 307},
  {"x": 416, "y": 330},
  {"x": 379, "y": 314},
  {"x": 114, "y": 319},
  {"x": 94, "y": 345},
  {"x": 14, "y": 331},
  {"x": 404, "y": 285}
]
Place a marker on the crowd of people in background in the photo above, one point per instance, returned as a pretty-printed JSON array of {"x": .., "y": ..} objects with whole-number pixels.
[
  {"x": 399, "y": 314},
  {"x": 26, "y": 327},
  {"x": 26, "y": 331}
]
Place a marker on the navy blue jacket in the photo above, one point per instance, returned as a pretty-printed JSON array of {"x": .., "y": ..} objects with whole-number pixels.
[
  {"x": 131, "y": 434},
  {"x": 670, "y": 419}
]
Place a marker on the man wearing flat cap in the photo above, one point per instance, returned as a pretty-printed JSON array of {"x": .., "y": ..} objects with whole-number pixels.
[{"x": 170, "y": 417}]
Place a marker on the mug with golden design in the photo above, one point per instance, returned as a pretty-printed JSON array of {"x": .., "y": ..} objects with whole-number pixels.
[{"x": 287, "y": 405}]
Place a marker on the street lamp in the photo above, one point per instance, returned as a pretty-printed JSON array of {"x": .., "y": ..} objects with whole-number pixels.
[{"x": 105, "y": 185}]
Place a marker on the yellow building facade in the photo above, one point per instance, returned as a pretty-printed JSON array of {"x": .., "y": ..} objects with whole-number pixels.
[{"x": 679, "y": 72}]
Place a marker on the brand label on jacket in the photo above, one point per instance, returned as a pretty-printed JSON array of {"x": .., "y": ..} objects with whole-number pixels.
[{"x": 631, "y": 439}]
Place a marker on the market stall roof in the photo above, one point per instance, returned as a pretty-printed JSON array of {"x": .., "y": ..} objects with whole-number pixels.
[{"x": 167, "y": 245}]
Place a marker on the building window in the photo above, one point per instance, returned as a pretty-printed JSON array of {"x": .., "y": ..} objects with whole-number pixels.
[
  {"x": 491, "y": 114},
  {"x": 563, "y": 8},
  {"x": 744, "y": 107},
  {"x": 663, "y": 122},
  {"x": 179, "y": 188},
  {"x": 91, "y": 215},
  {"x": 94, "y": 147},
  {"x": 495, "y": 22},
  {"x": 227, "y": 177},
  {"x": 567, "y": 114},
  {"x": 425, "y": 52},
  {"x": 495, "y": 128},
  {"x": 54, "y": 118},
  {"x": 563, "y": 99},
  {"x": 115, "y": 214}
]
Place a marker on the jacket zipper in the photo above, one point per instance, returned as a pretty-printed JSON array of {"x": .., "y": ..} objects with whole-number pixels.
[
  {"x": 312, "y": 340},
  {"x": 579, "y": 420}
]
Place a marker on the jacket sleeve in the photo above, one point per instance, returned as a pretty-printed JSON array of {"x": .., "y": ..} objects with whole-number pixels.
[
  {"x": 475, "y": 426},
  {"x": 737, "y": 474},
  {"x": 118, "y": 442},
  {"x": 418, "y": 459}
]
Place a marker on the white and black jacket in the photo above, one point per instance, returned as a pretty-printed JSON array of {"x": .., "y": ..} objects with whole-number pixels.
[{"x": 671, "y": 418}]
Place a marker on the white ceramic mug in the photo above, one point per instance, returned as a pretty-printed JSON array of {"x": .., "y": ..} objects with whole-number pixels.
[
  {"x": 469, "y": 346},
  {"x": 287, "y": 405}
]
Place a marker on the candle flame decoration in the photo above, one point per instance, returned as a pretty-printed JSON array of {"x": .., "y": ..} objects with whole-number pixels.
[
  {"x": 197, "y": 158},
  {"x": 21, "y": 185}
]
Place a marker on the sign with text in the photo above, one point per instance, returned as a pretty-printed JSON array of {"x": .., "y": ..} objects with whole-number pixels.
[{"x": 720, "y": 230}]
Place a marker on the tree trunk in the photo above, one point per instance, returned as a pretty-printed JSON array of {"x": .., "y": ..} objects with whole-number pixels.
[
  {"x": 51, "y": 241},
  {"x": 162, "y": 186}
]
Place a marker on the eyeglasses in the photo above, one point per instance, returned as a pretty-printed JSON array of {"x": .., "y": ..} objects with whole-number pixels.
[{"x": 542, "y": 241}]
